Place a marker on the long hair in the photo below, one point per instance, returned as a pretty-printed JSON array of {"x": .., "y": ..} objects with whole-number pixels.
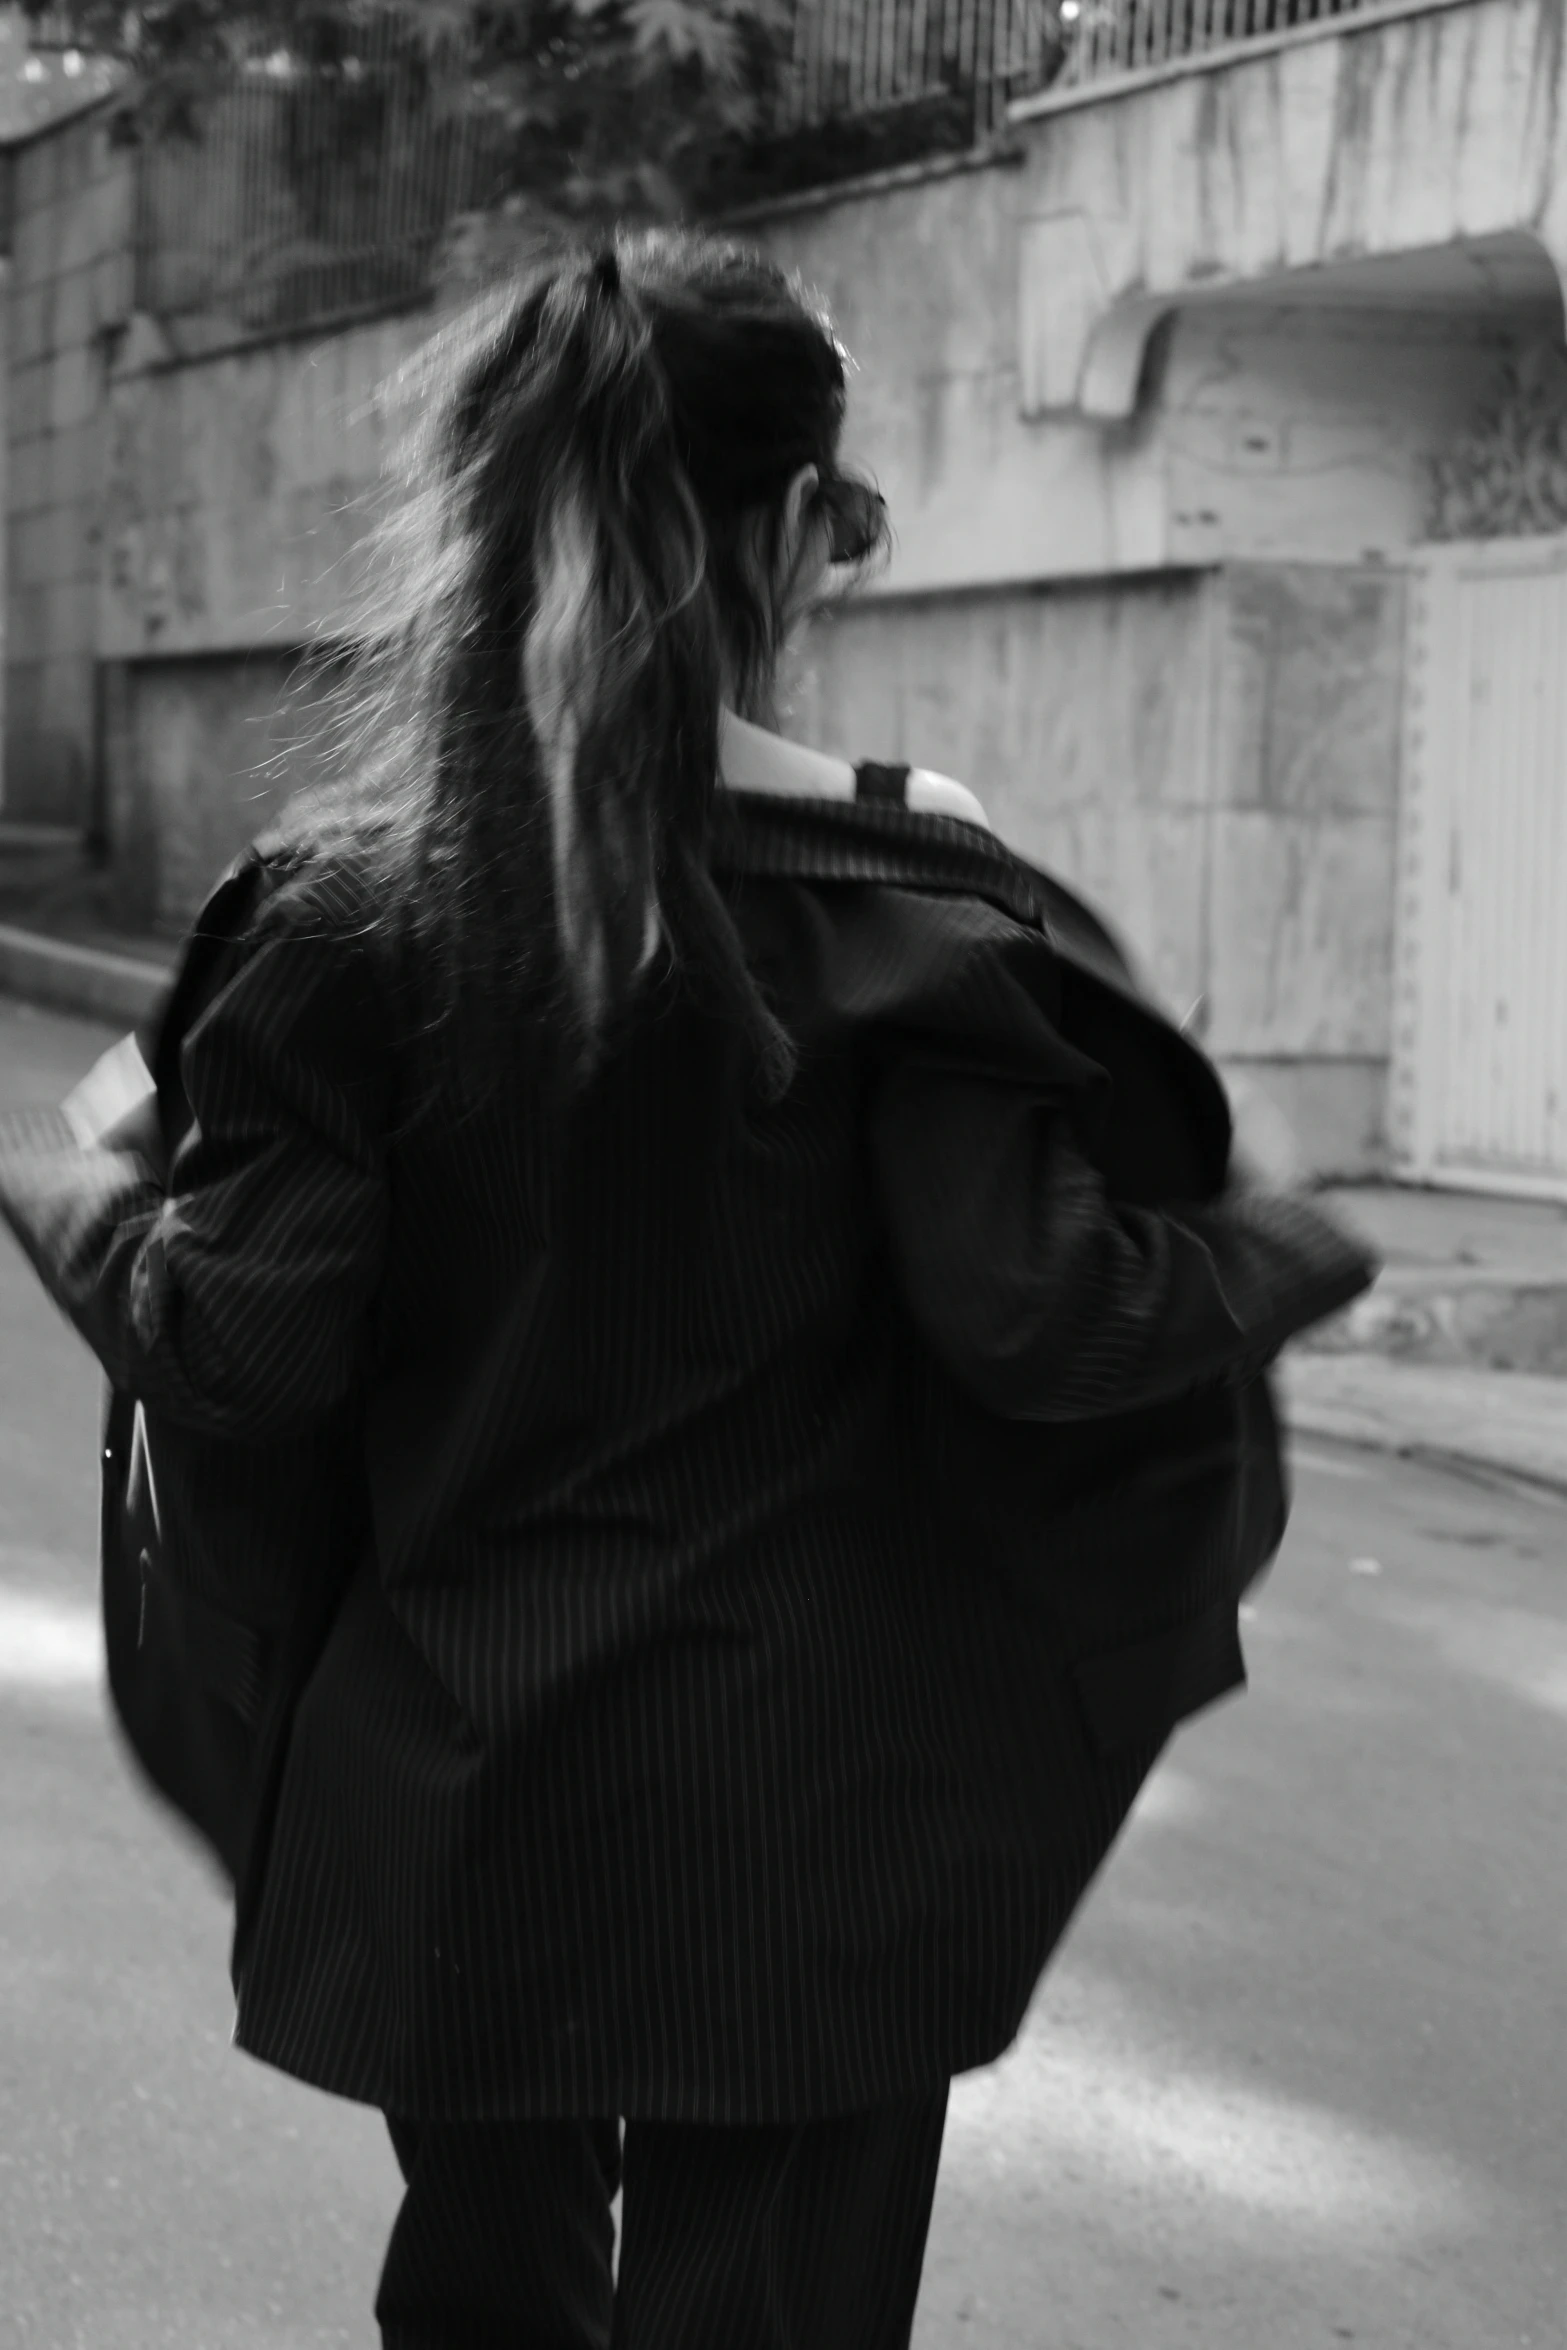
[{"x": 577, "y": 570}]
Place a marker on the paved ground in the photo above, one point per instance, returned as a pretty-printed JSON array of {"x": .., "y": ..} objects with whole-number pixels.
[{"x": 1298, "y": 2079}]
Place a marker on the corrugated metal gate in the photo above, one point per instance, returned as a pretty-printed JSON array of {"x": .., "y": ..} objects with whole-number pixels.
[{"x": 1480, "y": 1042}]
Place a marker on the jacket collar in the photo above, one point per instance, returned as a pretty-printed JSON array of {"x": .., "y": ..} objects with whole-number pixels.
[
  {"x": 810, "y": 839},
  {"x": 762, "y": 835},
  {"x": 879, "y": 842}
]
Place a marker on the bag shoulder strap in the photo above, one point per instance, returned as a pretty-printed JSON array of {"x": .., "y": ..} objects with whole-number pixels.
[{"x": 875, "y": 781}]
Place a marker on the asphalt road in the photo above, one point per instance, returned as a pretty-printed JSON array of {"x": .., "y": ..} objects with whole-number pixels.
[{"x": 1299, "y": 2078}]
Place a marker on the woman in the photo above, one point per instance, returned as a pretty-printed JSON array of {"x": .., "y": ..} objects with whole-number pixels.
[{"x": 579, "y": 1156}]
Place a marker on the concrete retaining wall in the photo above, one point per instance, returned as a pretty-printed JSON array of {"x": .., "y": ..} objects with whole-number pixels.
[{"x": 69, "y": 295}]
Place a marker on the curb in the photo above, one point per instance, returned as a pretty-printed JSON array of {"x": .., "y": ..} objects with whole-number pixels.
[
  {"x": 1500, "y": 1423},
  {"x": 89, "y": 980}
]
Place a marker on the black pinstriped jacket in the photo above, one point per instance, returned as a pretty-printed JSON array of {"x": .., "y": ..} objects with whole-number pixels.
[{"x": 670, "y": 1753}]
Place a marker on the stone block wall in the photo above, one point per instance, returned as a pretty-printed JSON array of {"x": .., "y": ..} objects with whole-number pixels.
[
  {"x": 70, "y": 291},
  {"x": 1080, "y": 714},
  {"x": 1211, "y": 757}
]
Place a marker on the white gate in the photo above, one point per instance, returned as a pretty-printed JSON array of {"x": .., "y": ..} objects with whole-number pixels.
[{"x": 1480, "y": 1029}]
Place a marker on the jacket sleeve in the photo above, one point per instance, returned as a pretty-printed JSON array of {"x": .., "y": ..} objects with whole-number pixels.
[
  {"x": 1051, "y": 1301},
  {"x": 235, "y": 1302}
]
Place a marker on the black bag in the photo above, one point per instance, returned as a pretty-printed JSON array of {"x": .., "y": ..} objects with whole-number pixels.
[{"x": 204, "y": 1676}]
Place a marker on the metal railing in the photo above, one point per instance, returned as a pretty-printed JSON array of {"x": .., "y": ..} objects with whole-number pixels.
[
  {"x": 305, "y": 185},
  {"x": 1109, "y": 39},
  {"x": 315, "y": 189},
  {"x": 52, "y": 29},
  {"x": 855, "y": 60},
  {"x": 306, "y": 195},
  {"x": 961, "y": 61}
]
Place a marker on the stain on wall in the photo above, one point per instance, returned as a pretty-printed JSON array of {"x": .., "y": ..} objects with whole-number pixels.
[
  {"x": 1313, "y": 659},
  {"x": 240, "y": 491}
]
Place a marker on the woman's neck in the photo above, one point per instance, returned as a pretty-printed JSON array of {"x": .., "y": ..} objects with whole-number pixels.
[{"x": 752, "y": 759}]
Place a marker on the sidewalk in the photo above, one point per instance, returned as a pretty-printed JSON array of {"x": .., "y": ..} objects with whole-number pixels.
[
  {"x": 1505, "y": 1423},
  {"x": 1459, "y": 1352},
  {"x": 56, "y": 945}
]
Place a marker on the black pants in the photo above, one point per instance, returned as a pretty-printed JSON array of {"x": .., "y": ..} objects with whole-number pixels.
[{"x": 806, "y": 2236}]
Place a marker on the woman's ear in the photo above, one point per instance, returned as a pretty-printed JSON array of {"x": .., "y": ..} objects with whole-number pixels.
[
  {"x": 796, "y": 512},
  {"x": 783, "y": 556},
  {"x": 797, "y": 504}
]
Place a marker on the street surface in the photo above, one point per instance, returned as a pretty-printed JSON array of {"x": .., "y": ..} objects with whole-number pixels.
[{"x": 1299, "y": 2079}]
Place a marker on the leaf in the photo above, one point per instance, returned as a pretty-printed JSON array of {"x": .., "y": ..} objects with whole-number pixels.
[{"x": 683, "y": 29}]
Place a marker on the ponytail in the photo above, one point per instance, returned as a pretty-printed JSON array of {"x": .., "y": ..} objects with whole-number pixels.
[
  {"x": 604, "y": 850},
  {"x": 621, "y": 658},
  {"x": 568, "y": 607},
  {"x": 621, "y": 668}
]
